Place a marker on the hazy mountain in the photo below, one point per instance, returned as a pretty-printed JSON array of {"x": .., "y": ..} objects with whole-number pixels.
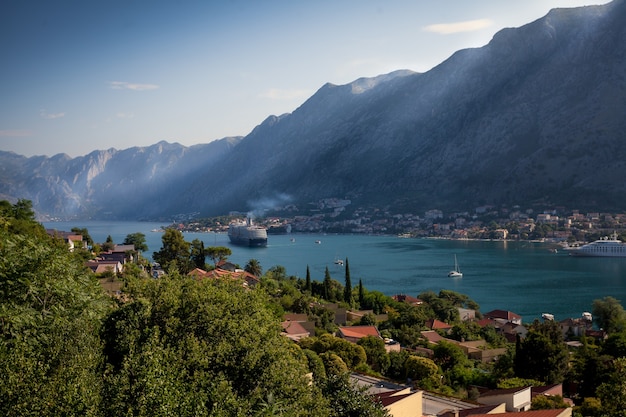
[
  {"x": 131, "y": 183},
  {"x": 537, "y": 115}
]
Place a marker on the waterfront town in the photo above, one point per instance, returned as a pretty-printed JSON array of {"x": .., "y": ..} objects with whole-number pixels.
[{"x": 335, "y": 215}]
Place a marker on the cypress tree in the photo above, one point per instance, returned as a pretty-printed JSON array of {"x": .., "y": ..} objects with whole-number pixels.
[
  {"x": 361, "y": 293},
  {"x": 307, "y": 285},
  {"x": 327, "y": 285},
  {"x": 347, "y": 290}
]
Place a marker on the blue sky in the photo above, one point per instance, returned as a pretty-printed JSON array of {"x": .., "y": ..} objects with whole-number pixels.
[{"x": 78, "y": 76}]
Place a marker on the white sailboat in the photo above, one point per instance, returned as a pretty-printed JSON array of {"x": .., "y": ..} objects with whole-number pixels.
[{"x": 456, "y": 272}]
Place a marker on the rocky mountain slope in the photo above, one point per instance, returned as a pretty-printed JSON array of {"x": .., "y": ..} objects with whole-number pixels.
[
  {"x": 118, "y": 184},
  {"x": 535, "y": 116}
]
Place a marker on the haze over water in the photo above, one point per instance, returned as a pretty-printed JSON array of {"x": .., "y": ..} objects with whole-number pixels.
[{"x": 524, "y": 277}]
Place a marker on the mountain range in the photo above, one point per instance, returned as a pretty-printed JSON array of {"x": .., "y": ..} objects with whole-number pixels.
[{"x": 536, "y": 116}]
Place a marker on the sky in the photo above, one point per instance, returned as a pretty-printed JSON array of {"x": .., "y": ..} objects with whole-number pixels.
[{"x": 78, "y": 76}]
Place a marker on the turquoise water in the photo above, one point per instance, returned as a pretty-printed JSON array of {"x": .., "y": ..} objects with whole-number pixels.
[{"x": 523, "y": 277}]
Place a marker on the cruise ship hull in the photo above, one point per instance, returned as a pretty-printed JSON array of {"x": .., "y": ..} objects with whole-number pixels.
[
  {"x": 248, "y": 242},
  {"x": 244, "y": 235}
]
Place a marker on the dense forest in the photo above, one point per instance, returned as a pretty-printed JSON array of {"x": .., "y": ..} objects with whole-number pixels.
[{"x": 178, "y": 345}]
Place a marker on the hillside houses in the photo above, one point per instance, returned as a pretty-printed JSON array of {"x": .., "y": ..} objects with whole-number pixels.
[{"x": 73, "y": 240}]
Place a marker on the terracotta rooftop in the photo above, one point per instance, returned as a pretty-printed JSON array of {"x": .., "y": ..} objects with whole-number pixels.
[
  {"x": 434, "y": 324},
  {"x": 432, "y": 336},
  {"x": 502, "y": 314},
  {"x": 486, "y": 322},
  {"x": 359, "y": 331}
]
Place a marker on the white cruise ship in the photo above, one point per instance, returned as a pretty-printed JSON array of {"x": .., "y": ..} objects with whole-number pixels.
[
  {"x": 247, "y": 234},
  {"x": 606, "y": 247}
]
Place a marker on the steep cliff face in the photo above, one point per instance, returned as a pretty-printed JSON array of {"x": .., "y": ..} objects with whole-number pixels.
[{"x": 537, "y": 115}]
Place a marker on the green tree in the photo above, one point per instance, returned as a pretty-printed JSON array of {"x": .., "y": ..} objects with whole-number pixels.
[
  {"x": 423, "y": 371},
  {"x": 347, "y": 289},
  {"x": 542, "y": 355},
  {"x": 20, "y": 218},
  {"x": 361, "y": 294},
  {"x": 347, "y": 399},
  {"x": 612, "y": 393},
  {"x": 368, "y": 319},
  {"x": 448, "y": 355},
  {"x": 377, "y": 357},
  {"x": 352, "y": 355},
  {"x": 178, "y": 350},
  {"x": 548, "y": 402},
  {"x": 307, "y": 285},
  {"x": 504, "y": 366},
  {"x": 397, "y": 365},
  {"x": 615, "y": 345},
  {"x": 23, "y": 210},
  {"x": 590, "y": 407},
  {"x": 254, "y": 267},
  {"x": 324, "y": 320},
  {"x": 137, "y": 239},
  {"x": 174, "y": 254},
  {"x": 327, "y": 283},
  {"x": 218, "y": 253},
  {"x": 518, "y": 383},
  {"x": 375, "y": 300},
  {"x": 588, "y": 369},
  {"x": 609, "y": 314},
  {"x": 316, "y": 365},
  {"x": 84, "y": 233},
  {"x": 108, "y": 245},
  {"x": 198, "y": 254},
  {"x": 50, "y": 312},
  {"x": 333, "y": 364}
]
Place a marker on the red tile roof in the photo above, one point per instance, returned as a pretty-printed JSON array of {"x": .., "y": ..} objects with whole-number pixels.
[
  {"x": 359, "y": 331},
  {"x": 502, "y": 314},
  {"x": 486, "y": 322},
  {"x": 432, "y": 336},
  {"x": 294, "y": 328},
  {"x": 434, "y": 324}
]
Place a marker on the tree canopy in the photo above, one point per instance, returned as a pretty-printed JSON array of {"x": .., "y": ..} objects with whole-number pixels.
[{"x": 50, "y": 313}]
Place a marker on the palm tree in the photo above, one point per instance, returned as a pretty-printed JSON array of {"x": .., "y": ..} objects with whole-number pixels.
[{"x": 254, "y": 267}]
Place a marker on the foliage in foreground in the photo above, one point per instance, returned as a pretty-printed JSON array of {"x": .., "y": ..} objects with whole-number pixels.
[{"x": 173, "y": 346}]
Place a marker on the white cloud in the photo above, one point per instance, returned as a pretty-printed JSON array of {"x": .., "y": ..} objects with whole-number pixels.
[
  {"x": 125, "y": 115},
  {"x": 15, "y": 133},
  {"x": 123, "y": 85},
  {"x": 277, "y": 94},
  {"x": 50, "y": 116},
  {"x": 458, "y": 27}
]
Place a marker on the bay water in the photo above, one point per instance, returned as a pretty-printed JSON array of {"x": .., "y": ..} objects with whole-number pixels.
[{"x": 528, "y": 278}]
